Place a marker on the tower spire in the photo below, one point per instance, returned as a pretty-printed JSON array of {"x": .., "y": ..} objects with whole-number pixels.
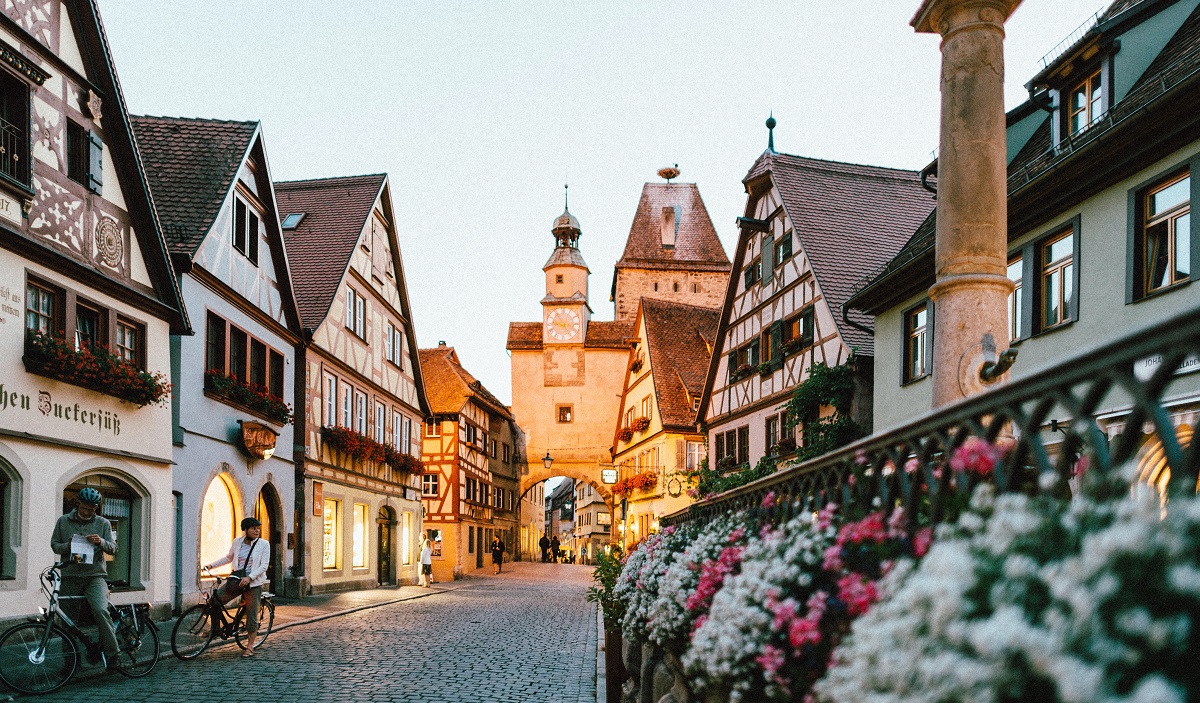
[
  {"x": 771, "y": 132},
  {"x": 565, "y": 193}
]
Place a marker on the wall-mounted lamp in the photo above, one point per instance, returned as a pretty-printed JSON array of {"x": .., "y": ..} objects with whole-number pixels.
[{"x": 548, "y": 460}]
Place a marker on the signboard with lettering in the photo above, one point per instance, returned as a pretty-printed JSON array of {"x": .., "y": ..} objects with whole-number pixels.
[
  {"x": 1143, "y": 369},
  {"x": 258, "y": 440},
  {"x": 608, "y": 476},
  {"x": 318, "y": 499}
]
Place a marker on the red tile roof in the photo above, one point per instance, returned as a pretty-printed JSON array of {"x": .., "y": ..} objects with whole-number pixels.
[
  {"x": 850, "y": 219},
  {"x": 601, "y": 334},
  {"x": 335, "y": 212},
  {"x": 449, "y": 386},
  {"x": 679, "y": 341},
  {"x": 697, "y": 246},
  {"x": 524, "y": 335},
  {"x": 190, "y": 164}
]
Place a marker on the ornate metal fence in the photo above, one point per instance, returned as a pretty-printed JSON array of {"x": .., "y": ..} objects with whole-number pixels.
[{"x": 1096, "y": 411}]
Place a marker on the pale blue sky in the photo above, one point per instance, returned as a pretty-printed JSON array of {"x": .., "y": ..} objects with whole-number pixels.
[{"x": 478, "y": 110}]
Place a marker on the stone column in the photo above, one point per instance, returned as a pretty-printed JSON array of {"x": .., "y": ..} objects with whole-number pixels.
[{"x": 971, "y": 291}]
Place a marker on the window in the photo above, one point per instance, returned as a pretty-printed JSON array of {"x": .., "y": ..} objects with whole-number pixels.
[
  {"x": 1166, "y": 234},
  {"x": 123, "y": 508},
  {"x": 331, "y": 553},
  {"x": 77, "y": 153},
  {"x": 347, "y": 405},
  {"x": 753, "y": 273},
  {"x": 14, "y": 128},
  {"x": 646, "y": 407},
  {"x": 743, "y": 444},
  {"x": 218, "y": 522},
  {"x": 330, "y": 400},
  {"x": 1057, "y": 279},
  {"x": 258, "y": 363},
  {"x": 916, "y": 343},
  {"x": 1015, "y": 299},
  {"x": 470, "y": 539},
  {"x": 504, "y": 452},
  {"x": 360, "y": 413},
  {"x": 558, "y": 278},
  {"x": 42, "y": 308},
  {"x": 89, "y": 326},
  {"x": 771, "y": 432},
  {"x": 433, "y": 428},
  {"x": 291, "y": 220},
  {"x": 356, "y": 309},
  {"x": 246, "y": 226},
  {"x": 798, "y": 331},
  {"x": 1084, "y": 107},
  {"x": 734, "y": 444},
  {"x": 695, "y": 454},
  {"x": 380, "y": 423},
  {"x": 395, "y": 345},
  {"x": 429, "y": 485},
  {"x": 214, "y": 344},
  {"x": 406, "y": 433},
  {"x": 275, "y": 379},
  {"x": 361, "y": 546},
  {"x": 129, "y": 341},
  {"x": 397, "y": 431},
  {"x": 783, "y": 249},
  {"x": 237, "y": 353}
]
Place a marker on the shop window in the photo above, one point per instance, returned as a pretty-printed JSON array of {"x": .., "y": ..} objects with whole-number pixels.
[
  {"x": 218, "y": 522},
  {"x": 429, "y": 485},
  {"x": 916, "y": 343},
  {"x": 1166, "y": 234},
  {"x": 123, "y": 508},
  {"x": 331, "y": 552},
  {"x": 361, "y": 546},
  {"x": 14, "y": 129},
  {"x": 406, "y": 525}
]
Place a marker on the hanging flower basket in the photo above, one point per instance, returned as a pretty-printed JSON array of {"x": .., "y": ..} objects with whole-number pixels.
[
  {"x": 624, "y": 434},
  {"x": 254, "y": 398},
  {"x": 636, "y": 365},
  {"x": 640, "y": 424},
  {"x": 95, "y": 368}
]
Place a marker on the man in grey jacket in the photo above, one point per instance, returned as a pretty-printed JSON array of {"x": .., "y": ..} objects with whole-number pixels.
[{"x": 83, "y": 573}]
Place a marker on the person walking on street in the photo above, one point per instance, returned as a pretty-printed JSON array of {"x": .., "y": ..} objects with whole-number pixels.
[
  {"x": 497, "y": 555},
  {"x": 544, "y": 543},
  {"x": 555, "y": 548},
  {"x": 250, "y": 556},
  {"x": 82, "y": 537},
  {"x": 426, "y": 561}
]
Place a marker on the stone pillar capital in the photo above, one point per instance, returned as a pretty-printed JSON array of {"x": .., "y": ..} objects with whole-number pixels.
[{"x": 945, "y": 17}]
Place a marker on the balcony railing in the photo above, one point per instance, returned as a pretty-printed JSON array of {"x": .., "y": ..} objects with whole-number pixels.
[
  {"x": 1106, "y": 403},
  {"x": 14, "y": 150}
]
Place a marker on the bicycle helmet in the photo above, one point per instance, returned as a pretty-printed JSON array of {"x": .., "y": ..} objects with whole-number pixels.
[{"x": 91, "y": 496}]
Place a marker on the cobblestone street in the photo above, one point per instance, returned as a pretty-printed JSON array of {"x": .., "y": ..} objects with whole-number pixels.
[{"x": 526, "y": 635}]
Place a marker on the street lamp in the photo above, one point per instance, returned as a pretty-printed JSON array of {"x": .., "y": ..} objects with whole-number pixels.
[{"x": 548, "y": 460}]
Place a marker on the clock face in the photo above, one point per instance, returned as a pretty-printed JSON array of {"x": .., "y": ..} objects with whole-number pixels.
[{"x": 562, "y": 324}]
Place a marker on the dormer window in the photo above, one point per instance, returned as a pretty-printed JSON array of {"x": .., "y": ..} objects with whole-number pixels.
[{"x": 1084, "y": 104}]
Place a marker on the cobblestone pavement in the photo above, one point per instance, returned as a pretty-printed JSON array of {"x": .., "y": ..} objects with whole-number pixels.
[{"x": 525, "y": 636}]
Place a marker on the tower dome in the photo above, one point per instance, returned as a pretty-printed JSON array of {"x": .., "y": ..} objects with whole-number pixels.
[{"x": 566, "y": 227}]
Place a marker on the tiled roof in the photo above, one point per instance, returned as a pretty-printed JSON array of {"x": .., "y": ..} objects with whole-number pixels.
[
  {"x": 850, "y": 218},
  {"x": 1178, "y": 59},
  {"x": 600, "y": 334},
  {"x": 679, "y": 340},
  {"x": 1118, "y": 7},
  {"x": 449, "y": 386},
  {"x": 191, "y": 164},
  {"x": 335, "y": 209},
  {"x": 697, "y": 246}
]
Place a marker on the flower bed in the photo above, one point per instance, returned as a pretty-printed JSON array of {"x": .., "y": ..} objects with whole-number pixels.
[
  {"x": 253, "y": 397},
  {"x": 1018, "y": 598},
  {"x": 643, "y": 481},
  {"x": 95, "y": 368},
  {"x": 640, "y": 424}
]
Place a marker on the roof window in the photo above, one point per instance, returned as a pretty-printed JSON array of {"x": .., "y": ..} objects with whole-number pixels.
[{"x": 292, "y": 221}]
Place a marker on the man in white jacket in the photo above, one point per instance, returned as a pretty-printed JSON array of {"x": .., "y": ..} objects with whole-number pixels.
[{"x": 250, "y": 557}]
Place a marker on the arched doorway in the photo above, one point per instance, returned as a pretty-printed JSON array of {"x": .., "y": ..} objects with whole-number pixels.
[
  {"x": 268, "y": 511},
  {"x": 1152, "y": 469},
  {"x": 218, "y": 521},
  {"x": 387, "y": 523},
  {"x": 121, "y": 507}
]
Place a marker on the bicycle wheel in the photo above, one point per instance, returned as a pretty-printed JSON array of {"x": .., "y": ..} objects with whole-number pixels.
[
  {"x": 33, "y": 660},
  {"x": 139, "y": 649},
  {"x": 193, "y": 631},
  {"x": 266, "y": 618}
]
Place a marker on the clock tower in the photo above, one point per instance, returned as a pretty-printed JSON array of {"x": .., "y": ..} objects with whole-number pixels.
[{"x": 565, "y": 310}]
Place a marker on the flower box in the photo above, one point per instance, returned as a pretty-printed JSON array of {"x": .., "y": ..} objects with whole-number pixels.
[
  {"x": 644, "y": 481},
  {"x": 743, "y": 371},
  {"x": 253, "y": 398},
  {"x": 792, "y": 346},
  {"x": 640, "y": 424},
  {"x": 636, "y": 365},
  {"x": 766, "y": 368},
  {"x": 95, "y": 368},
  {"x": 624, "y": 434}
]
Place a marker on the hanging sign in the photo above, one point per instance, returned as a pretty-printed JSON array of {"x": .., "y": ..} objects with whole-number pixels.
[
  {"x": 258, "y": 440},
  {"x": 318, "y": 499},
  {"x": 608, "y": 476}
]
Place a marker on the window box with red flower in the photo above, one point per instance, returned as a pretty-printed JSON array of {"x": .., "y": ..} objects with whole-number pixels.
[
  {"x": 95, "y": 368},
  {"x": 742, "y": 372},
  {"x": 644, "y": 481},
  {"x": 640, "y": 424},
  {"x": 253, "y": 398},
  {"x": 624, "y": 434}
]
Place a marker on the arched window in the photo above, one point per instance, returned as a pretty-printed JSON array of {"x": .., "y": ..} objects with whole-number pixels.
[
  {"x": 122, "y": 507},
  {"x": 10, "y": 495},
  {"x": 1152, "y": 463},
  {"x": 218, "y": 522}
]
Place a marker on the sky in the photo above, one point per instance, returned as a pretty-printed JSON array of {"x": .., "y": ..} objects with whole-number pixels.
[{"x": 481, "y": 111}]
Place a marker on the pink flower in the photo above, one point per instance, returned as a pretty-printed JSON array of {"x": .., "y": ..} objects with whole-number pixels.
[
  {"x": 976, "y": 456},
  {"x": 1081, "y": 466},
  {"x": 860, "y": 457},
  {"x": 911, "y": 465},
  {"x": 804, "y": 631},
  {"x": 825, "y": 517},
  {"x": 771, "y": 659},
  {"x": 857, "y": 593},
  {"x": 784, "y": 612},
  {"x": 769, "y": 500},
  {"x": 922, "y": 540},
  {"x": 833, "y": 559}
]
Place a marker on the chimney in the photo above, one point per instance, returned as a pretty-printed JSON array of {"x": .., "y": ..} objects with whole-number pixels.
[{"x": 670, "y": 225}]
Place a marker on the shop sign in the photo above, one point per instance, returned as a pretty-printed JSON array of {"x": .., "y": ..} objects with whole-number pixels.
[
  {"x": 318, "y": 499},
  {"x": 608, "y": 476},
  {"x": 1143, "y": 369},
  {"x": 258, "y": 440},
  {"x": 603, "y": 518},
  {"x": 73, "y": 415}
]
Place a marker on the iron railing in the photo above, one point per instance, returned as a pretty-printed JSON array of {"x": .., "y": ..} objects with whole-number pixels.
[
  {"x": 1104, "y": 402},
  {"x": 14, "y": 150}
]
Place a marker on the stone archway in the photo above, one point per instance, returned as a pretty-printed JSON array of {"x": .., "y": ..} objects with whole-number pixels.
[{"x": 536, "y": 474}]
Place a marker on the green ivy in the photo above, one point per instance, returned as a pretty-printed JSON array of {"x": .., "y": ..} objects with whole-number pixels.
[
  {"x": 826, "y": 386},
  {"x": 714, "y": 481}
]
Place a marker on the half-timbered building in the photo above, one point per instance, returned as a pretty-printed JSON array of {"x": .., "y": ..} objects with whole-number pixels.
[
  {"x": 469, "y": 490},
  {"x": 656, "y": 441},
  {"x": 87, "y": 306},
  {"x": 234, "y": 380},
  {"x": 358, "y": 483},
  {"x": 811, "y": 229}
]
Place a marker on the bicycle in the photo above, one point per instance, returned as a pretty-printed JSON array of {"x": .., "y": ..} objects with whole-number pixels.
[
  {"x": 199, "y": 624},
  {"x": 42, "y": 655}
]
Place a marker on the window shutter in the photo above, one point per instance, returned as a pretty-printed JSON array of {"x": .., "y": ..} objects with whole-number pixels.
[
  {"x": 720, "y": 448},
  {"x": 768, "y": 257},
  {"x": 680, "y": 453},
  {"x": 95, "y": 163},
  {"x": 731, "y": 365},
  {"x": 252, "y": 237}
]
